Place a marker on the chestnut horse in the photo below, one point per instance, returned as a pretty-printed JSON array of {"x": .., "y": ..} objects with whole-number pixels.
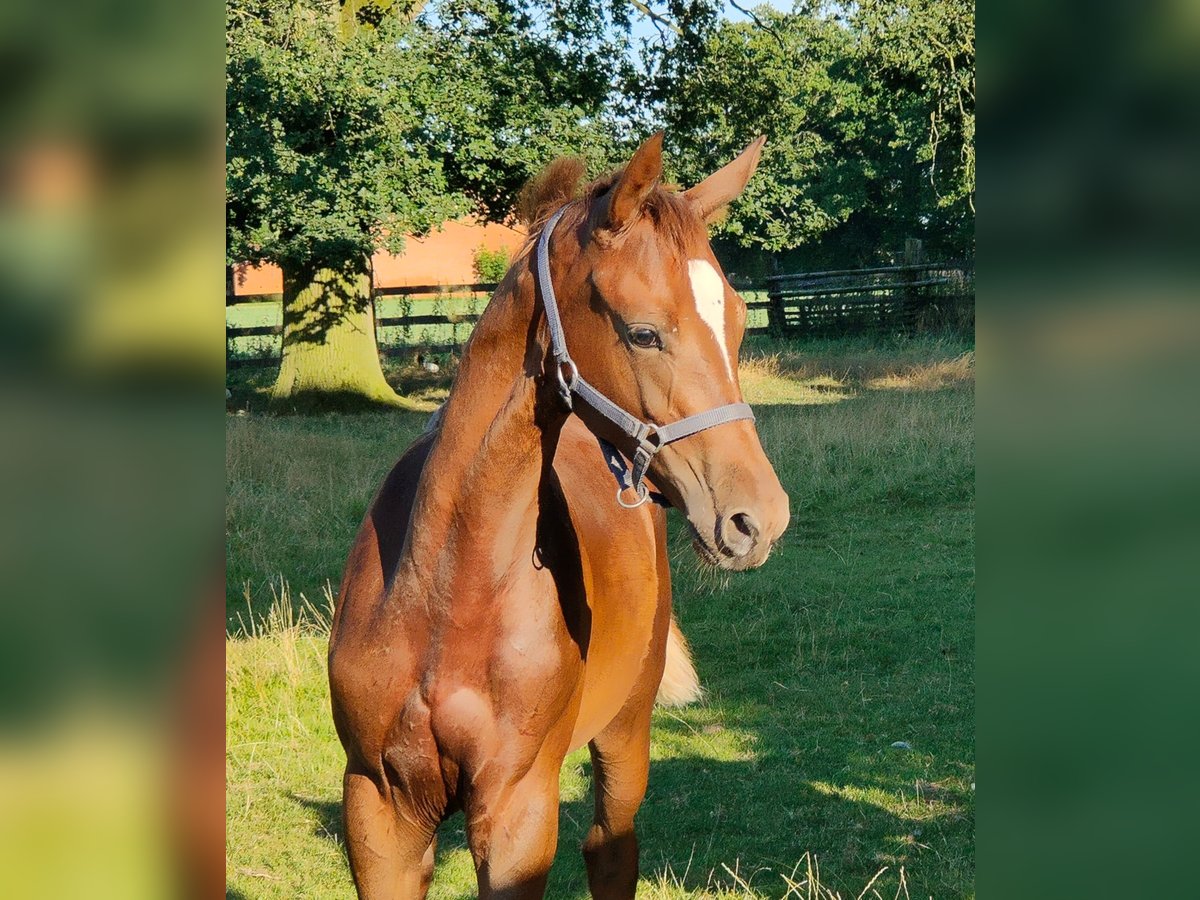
[{"x": 499, "y": 606}]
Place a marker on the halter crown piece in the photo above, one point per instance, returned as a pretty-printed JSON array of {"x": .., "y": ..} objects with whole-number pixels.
[{"x": 649, "y": 438}]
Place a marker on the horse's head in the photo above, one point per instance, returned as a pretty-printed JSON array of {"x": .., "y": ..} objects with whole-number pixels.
[{"x": 652, "y": 323}]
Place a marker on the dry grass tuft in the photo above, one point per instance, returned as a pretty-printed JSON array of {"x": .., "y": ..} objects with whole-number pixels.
[
  {"x": 934, "y": 376},
  {"x": 282, "y": 629},
  {"x": 766, "y": 365},
  {"x": 288, "y": 617},
  {"x": 803, "y": 882},
  {"x": 850, "y": 364}
]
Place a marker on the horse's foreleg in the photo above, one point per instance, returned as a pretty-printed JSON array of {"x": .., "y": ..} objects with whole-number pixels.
[
  {"x": 390, "y": 855},
  {"x": 513, "y": 835},
  {"x": 621, "y": 766}
]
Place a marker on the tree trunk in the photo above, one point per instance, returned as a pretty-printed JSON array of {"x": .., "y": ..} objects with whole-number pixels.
[{"x": 329, "y": 354}]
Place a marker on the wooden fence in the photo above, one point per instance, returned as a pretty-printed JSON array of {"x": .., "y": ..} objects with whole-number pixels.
[
  {"x": 407, "y": 322},
  {"x": 884, "y": 299},
  {"x": 434, "y": 318},
  {"x": 439, "y": 318}
]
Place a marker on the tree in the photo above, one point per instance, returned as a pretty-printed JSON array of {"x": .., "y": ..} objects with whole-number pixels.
[
  {"x": 783, "y": 78},
  {"x": 328, "y": 159},
  {"x": 865, "y": 119},
  {"x": 351, "y": 124},
  {"x": 924, "y": 51},
  {"x": 537, "y": 80}
]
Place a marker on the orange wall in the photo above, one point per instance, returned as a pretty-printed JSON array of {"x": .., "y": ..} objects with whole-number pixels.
[{"x": 442, "y": 257}]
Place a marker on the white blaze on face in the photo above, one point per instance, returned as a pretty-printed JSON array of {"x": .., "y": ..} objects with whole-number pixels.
[{"x": 708, "y": 289}]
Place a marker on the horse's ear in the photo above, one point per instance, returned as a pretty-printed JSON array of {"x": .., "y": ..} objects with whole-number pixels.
[
  {"x": 711, "y": 195},
  {"x": 638, "y": 179}
]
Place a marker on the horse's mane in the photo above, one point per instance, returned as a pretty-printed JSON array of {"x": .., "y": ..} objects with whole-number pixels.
[{"x": 562, "y": 181}]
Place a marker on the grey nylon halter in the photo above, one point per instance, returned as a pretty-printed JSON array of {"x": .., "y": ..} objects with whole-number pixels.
[{"x": 650, "y": 438}]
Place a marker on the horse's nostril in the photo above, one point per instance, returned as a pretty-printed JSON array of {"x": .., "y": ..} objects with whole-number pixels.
[
  {"x": 744, "y": 523},
  {"x": 738, "y": 534}
]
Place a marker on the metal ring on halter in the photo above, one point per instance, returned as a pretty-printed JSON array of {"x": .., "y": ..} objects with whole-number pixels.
[
  {"x": 643, "y": 494},
  {"x": 565, "y": 386}
]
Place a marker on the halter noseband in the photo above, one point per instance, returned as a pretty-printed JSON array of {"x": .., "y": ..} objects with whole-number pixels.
[{"x": 650, "y": 438}]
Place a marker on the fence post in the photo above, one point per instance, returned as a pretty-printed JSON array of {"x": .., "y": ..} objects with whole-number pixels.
[
  {"x": 914, "y": 255},
  {"x": 776, "y": 317}
]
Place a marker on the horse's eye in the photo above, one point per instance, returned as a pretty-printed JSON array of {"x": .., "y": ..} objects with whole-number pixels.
[{"x": 645, "y": 337}]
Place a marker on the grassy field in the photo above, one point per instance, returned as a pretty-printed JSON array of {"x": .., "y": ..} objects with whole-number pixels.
[{"x": 784, "y": 781}]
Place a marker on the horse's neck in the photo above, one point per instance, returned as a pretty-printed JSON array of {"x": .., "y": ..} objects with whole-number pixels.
[{"x": 476, "y": 508}]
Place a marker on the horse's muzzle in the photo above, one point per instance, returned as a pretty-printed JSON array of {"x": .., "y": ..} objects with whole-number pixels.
[{"x": 743, "y": 538}]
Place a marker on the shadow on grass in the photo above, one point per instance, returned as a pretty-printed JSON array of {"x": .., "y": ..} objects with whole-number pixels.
[
  {"x": 329, "y": 817},
  {"x": 417, "y": 389},
  {"x": 316, "y": 403},
  {"x": 757, "y": 817}
]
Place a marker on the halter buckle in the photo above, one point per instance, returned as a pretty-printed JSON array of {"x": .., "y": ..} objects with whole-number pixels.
[
  {"x": 566, "y": 385},
  {"x": 647, "y": 446}
]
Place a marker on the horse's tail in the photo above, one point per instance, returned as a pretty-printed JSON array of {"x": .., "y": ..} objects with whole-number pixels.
[{"x": 680, "y": 685}]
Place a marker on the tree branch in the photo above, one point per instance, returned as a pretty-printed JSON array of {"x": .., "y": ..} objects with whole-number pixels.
[
  {"x": 655, "y": 17},
  {"x": 757, "y": 21}
]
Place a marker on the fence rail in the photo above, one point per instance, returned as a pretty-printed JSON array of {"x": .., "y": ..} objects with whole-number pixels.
[
  {"x": 406, "y": 321},
  {"x": 417, "y": 290}
]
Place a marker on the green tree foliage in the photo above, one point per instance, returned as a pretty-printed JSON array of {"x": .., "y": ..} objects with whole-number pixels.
[
  {"x": 922, "y": 52},
  {"x": 869, "y": 110},
  {"x": 328, "y": 152},
  {"x": 524, "y": 83},
  {"x": 369, "y": 13}
]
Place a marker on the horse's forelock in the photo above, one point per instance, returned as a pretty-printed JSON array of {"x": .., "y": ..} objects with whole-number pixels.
[
  {"x": 562, "y": 181},
  {"x": 550, "y": 189}
]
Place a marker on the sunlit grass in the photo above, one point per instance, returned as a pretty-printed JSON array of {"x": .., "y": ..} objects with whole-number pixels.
[{"x": 765, "y": 383}]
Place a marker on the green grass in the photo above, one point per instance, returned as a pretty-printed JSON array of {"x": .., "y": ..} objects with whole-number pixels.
[{"x": 856, "y": 634}]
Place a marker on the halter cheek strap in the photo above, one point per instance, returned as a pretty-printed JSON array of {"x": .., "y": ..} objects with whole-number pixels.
[{"x": 648, "y": 438}]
